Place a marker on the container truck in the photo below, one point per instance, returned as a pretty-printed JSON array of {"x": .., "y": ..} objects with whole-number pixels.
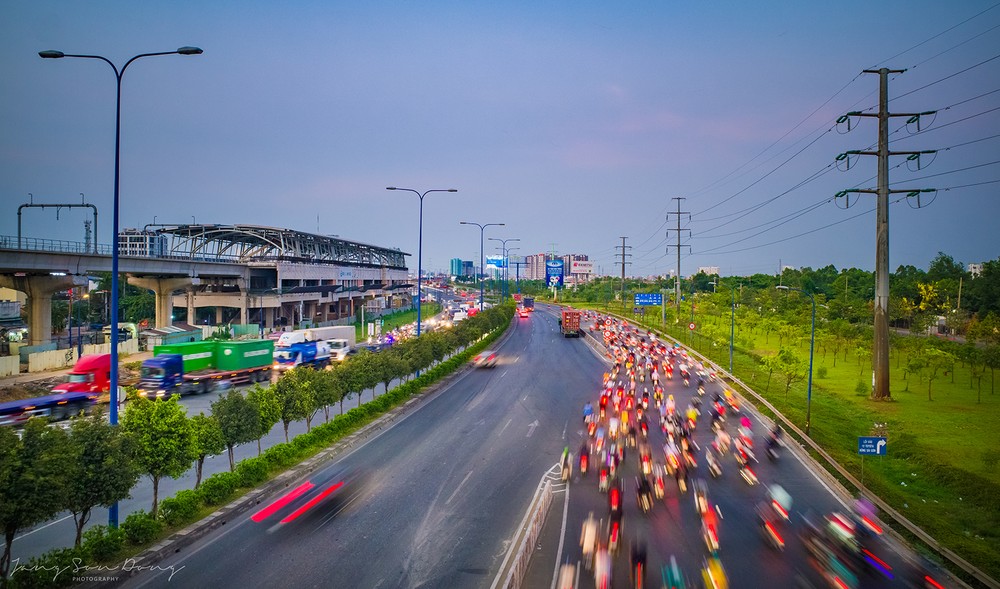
[
  {"x": 315, "y": 354},
  {"x": 340, "y": 338},
  {"x": 92, "y": 375},
  {"x": 199, "y": 367},
  {"x": 528, "y": 303},
  {"x": 570, "y": 323}
]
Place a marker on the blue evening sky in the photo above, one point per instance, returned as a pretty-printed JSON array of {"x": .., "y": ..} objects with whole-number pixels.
[{"x": 574, "y": 123}]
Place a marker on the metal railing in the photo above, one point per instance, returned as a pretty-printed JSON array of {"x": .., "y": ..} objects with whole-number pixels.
[{"x": 531, "y": 530}]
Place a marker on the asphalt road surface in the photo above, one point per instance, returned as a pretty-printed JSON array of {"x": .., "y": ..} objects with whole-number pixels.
[{"x": 431, "y": 502}]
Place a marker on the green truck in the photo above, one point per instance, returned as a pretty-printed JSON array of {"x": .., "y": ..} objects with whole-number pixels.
[{"x": 201, "y": 367}]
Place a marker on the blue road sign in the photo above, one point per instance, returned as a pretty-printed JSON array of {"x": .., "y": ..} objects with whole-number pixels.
[
  {"x": 871, "y": 446},
  {"x": 648, "y": 298}
]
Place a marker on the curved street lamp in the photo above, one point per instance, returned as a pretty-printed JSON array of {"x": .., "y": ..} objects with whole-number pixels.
[
  {"x": 503, "y": 250},
  {"x": 420, "y": 237},
  {"x": 113, "y": 376},
  {"x": 812, "y": 340},
  {"x": 482, "y": 265}
]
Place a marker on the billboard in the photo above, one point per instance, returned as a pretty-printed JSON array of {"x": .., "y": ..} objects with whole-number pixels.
[
  {"x": 554, "y": 273},
  {"x": 581, "y": 267},
  {"x": 496, "y": 261}
]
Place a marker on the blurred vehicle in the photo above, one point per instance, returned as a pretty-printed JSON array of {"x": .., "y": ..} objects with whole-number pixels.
[
  {"x": 570, "y": 323},
  {"x": 714, "y": 575},
  {"x": 523, "y": 313},
  {"x": 671, "y": 575},
  {"x": 485, "y": 359}
]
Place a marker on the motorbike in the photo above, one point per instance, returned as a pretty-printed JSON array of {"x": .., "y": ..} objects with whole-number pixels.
[
  {"x": 770, "y": 522},
  {"x": 584, "y": 461},
  {"x": 643, "y": 494},
  {"x": 701, "y": 503},
  {"x": 604, "y": 480},
  {"x": 748, "y": 475},
  {"x": 658, "y": 484},
  {"x": 672, "y": 576},
  {"x": 637, "y": 572},
  {"x": 713, "y": 464}
]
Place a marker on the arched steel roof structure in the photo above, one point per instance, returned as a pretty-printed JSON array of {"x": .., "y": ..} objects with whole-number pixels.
[{"x": 255, "y": 243}]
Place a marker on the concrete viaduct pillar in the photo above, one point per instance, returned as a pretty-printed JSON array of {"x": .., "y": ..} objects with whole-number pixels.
[
  {"x": 39, "y": 290},
  {"x": 163, "y": 288}
]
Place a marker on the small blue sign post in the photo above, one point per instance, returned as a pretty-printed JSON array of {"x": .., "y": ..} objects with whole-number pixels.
[{"x": 871, "y": 446}]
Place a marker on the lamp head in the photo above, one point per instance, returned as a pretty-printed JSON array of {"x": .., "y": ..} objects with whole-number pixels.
[
  {"x": 51, "y": 54},
  {"x": 390, "y": 188},
  {"x": 190, "y": 51},
  {"x": 782, "y": 287},
  {"x": 452, "y": 190}
]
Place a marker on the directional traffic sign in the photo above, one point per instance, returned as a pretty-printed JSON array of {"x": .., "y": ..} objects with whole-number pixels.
[
  {"x": 648, "y": 298},
  {"x": 871, "y": 446}
]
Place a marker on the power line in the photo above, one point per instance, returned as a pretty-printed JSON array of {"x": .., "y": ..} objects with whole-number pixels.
[{"x": 949, "y": 29}]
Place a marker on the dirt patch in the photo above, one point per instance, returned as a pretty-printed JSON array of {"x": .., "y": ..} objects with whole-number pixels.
[{"x": 26, "y": 390}]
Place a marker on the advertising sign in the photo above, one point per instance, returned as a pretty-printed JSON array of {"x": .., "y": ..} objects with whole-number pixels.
[
  {"x": 554, "y": 273},
  {"x": 581, "y": 267},
  {"x": 496, "y": 261},
  {"x": 648, "y": 298}
]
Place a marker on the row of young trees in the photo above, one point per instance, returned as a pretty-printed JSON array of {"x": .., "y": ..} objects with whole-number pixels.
[{"x": 47, "y": 470}]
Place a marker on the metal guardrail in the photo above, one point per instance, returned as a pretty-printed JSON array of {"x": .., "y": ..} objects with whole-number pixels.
[
  {"x": 530, "y": 529},
  {"x": 899, "y": 518}
]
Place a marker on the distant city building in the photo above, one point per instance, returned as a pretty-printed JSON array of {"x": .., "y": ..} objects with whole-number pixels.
[
  {"x": 468, "y": 268},
  {"x": 709, "y": 270},
  {"x": 577, "y": 273},
  {"x": 534, "y": 268},
  {"x": 138, "y": 243},
  {"x": 975, "y": 269},
  {"x": 455, "y": 267}
]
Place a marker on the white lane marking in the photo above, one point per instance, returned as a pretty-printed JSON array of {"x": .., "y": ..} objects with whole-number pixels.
[
  {"x": 503, "y": 374},
  {"x": 455, "y": 492},
  {"x": 562, "y": 538},
  {"x": 506, "y": 424},
  {"x": 51, "y": 523},
  {"x": 531, "y": 427}
]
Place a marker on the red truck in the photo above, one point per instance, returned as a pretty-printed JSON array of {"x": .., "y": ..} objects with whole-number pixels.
[
  {"x": 91, "y": 374},
  {"x": 570, "y": 323}
]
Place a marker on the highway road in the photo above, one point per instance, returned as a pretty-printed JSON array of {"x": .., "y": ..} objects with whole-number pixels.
[
  {"x": 431, "y": 502},
  {"x": 60, "y": 531},
  {"x": 672, "y": 527}
]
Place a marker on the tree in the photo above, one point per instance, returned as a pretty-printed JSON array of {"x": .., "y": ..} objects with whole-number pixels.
[
  {"x": 164, "y": 438},
  {"x": 33, "y": 481},
  {"x": 210, "y": 440},
  {"x": 364, "y": 372},
  {"x": 238, "y": 420},
  {"x": 991, "y": 356},
  {"x": 295, "y": 396},
  {"x": 391, "y": 366},
  {"x": 771, "y": 364},
  {"x": 102, "y": 468},
  {"x": 265, "y": 401},
  {"x": 791, "y": 366},
  {"x": 936, "y": 362}
]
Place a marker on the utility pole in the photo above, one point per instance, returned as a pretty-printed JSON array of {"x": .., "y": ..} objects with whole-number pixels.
[
  {"x": 677, "y": 278},
  {"x": 880, "y": 353},
  {"x": 517, "y": 274},
  {"x": 623, "y": 254}
]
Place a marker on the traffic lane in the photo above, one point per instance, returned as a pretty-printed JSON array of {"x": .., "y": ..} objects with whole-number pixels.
[
  {"x": 449, "y": 500},
  {"x": 736, "y": 501}
]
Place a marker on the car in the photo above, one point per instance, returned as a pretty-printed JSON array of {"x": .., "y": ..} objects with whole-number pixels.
[
  {"x": 523, "y": 313},
  {"x": 485, "y": 359}
]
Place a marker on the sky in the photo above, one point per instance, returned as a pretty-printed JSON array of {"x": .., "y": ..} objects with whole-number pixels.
[{"x": 573, "y": 123}]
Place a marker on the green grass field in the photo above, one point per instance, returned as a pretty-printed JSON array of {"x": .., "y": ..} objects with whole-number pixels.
[
  {"x": 942, "y": 468},
  {"x": 400, "y": 318}
]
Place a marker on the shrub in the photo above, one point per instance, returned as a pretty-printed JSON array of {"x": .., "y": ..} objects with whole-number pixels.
[
  {"x": 219, "y": 487},
  {"x": 180, "y": 508},
  {"x": 862, "y": 389},
  {"x": 279, "y": 455},
  {"x": 252, "y": 471},
  {"x": 103, "y": 543},
  {"x": 42, "y": 572},
  {"x": 140, "y": 528},
  {"x": 821, "y": 372}
]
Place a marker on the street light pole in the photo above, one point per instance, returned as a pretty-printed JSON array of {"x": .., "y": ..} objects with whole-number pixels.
[
  {"x": 420, "y": 238},
  {"x": 503, "y": 251},
  {"x": 113, "y": 376},
  {"x": 812, "y": 341},
  {"x": 482, "y": 258},
  {"x": 732, "y": 327},
  {"x": 506, "y": 272}
]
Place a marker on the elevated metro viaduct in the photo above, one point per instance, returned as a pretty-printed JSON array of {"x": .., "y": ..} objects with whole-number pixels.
[{"x": 269, "y": 274}]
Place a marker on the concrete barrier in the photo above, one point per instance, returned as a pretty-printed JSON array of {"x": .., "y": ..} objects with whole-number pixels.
[
  {"x": 51, "y": 360},
  {"x": 9, "y": 365}
]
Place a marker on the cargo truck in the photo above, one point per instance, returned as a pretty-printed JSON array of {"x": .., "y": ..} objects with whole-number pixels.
[
  {"x": 200, "y": 367},
  {"x": 528, "y": 303},
  {"x": 570, "y": 323},
  {"x": 92, "y": 375},
  {"x": 340, "y": 338},
  {"x": 315, "y": 354}
]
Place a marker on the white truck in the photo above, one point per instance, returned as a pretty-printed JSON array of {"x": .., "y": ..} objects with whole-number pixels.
[{"x": 339, "y": 338}]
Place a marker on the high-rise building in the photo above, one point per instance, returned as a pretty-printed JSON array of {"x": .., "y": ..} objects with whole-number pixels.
[
  {"x": 468, "y": 268},
  {"x": 455, "y": 268}
]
